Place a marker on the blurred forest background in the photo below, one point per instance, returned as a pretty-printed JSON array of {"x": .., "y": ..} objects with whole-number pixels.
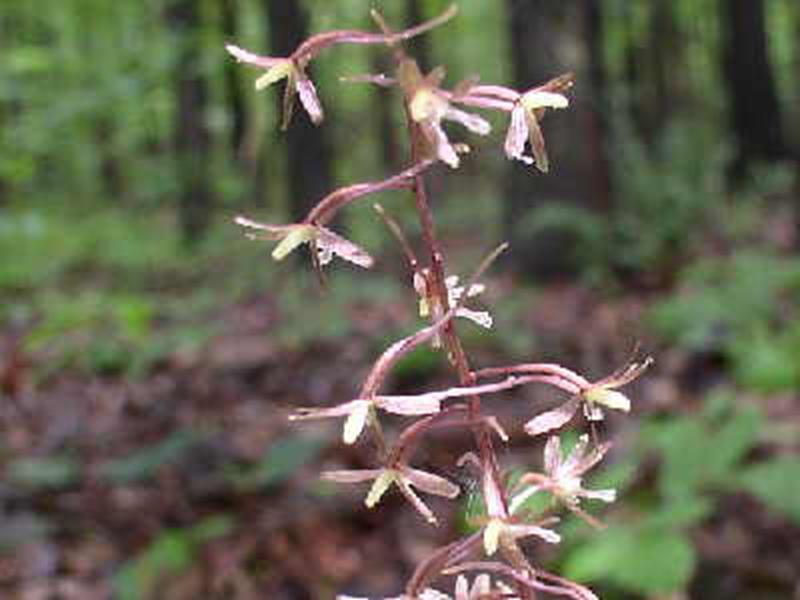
[{"x": 149, "y": 355}]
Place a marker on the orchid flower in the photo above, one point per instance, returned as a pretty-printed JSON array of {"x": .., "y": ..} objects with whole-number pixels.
[
  {"x": 503, "y": 526},
  {"x": 526, "y": 108},
  {"x": 563, "y": 475},
  {"x": 322, "y": 240},
  {"x": 524, "y": 126},
  {"x": 428, "y": 106},
  {"x": 293, "y": 67},
  {"x": 592, "y": 398},
  {"x": 430, "y": 307},
  {"x": 297, "y": 82},
  {"x": 358, "y": 412},
  {"x": 405, "y": 478}
]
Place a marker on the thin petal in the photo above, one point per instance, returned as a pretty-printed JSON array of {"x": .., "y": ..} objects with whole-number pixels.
[
  {"x": 270, "y": 232},
  {"x": 481, "y": 586},
  {"x": 479, "y": 317},
  {"x": 309, "y": 99},
  {"x": 416, "y": 501},
  {"x": 378, "y": 489},
  {"x": 340, "y": 410},
  {"x": 553, "y": 419},
  {"x": 410, "y": 405},
  {"x": 444, "y": 150},
  {"x": 327, "y": 240},
  {"x": 289, "y": 93},
  {"x": 498, "y": 429},
  {"x": 245, "y": 56},
  {"x": 537, "y": 142},
  {"x": 430, "y": 483},
  {"x": 572, "y": 465},
  {"x": 594, "y": 457},
  {"x": 297, "y": 235},
  {"x": 472, "y": 122},
  {"x": 273, "y": 75},
  {"x": 552, "y": 455},
  {"x": 520, "y": 531},
  {"x": 522, "y": 497},
  {"x": 517, "y": 134},
  {"x": 491, "y": 536},
  {"x": 607, "y": 495},
  {"x": 608, "y": 398},
  {"x": 540, "y": 99},
  {"x": 356, "y": 421},
  {"x": 427, "y": 594},
  {"x": 462, "y": 588},
  {"x": 352, "y": 476}
]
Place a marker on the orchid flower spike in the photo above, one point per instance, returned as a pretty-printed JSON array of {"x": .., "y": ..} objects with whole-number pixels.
[
  {"x": 322, "y": 240},
  {"x": 405, "y": 478}
]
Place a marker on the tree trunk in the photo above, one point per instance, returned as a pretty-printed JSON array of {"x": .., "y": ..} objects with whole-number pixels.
[
  {"x": 236, "y": 103},
  {"x": 665, "y": 62},
  {"x": 598, "y": 113},
  {"x": 538, "y": 29},
  {"x": 754, "y": 108},
  {"x": 421, "y": 44},
  {"x": 383, "y": 101},
  {"x": 191, "y": 141},
  {"x": 308, "y": 159},
  {"x": 633, "y": 70}
]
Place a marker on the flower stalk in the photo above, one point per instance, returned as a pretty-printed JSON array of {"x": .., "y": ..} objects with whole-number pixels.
[{"x": 507, "y": 571}]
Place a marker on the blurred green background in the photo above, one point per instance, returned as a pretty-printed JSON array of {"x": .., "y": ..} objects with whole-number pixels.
[{"x": 149, "y": 354}]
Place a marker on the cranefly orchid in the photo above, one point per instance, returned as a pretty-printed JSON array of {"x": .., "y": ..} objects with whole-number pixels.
[{"x": 503, "y": 569}]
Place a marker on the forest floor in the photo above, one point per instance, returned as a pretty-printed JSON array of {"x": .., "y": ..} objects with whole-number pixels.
[{"x": 188, "y": 481}]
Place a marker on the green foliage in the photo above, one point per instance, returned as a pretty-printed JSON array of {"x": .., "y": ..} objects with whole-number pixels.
[
  {"x": 171, "y": 553},
  {"x": 281, "y": 460},
  {"x": 664, "y": 197},
  {"x": 327, "y": 317},
  {"x": 744, "y": 306},
  {"x": 645, "y": 559},
  {"x": 20, "y": 529},
  {"x": 111, "y": 293},
  {"x": 702, "y": 452},
  {"x": 36, "y": 474},
  {"x": 145, "y": 463},
  {"x": 776, "y": 483},
  {"x": 647, "y": 549}
]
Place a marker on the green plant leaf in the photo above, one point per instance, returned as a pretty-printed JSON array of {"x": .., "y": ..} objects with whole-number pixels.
[
  {"x": 777, "y": 484},
  {"x": 281, "y": 460},
  {"x": 43, "y": 473},
  {"x": 144, "y": 463},
  {"x": 646, "y": 561},
  {"x": 170, "y": 553}
]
